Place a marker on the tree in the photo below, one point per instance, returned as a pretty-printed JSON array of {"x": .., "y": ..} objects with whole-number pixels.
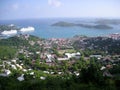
[
  {"x": 92, "y": 74},
  {"x": 7, "y": 52}
]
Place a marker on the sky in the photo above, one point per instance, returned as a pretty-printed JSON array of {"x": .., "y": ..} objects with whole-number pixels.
[{"x": 30, "y": 9}]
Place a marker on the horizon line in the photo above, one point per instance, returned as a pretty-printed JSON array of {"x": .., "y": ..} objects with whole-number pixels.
[{"x": 63, "y": 18}]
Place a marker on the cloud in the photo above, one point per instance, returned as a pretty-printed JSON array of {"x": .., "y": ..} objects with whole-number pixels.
[
  {"x": 15, "y": 6},
  {"x": 55, "y": 3}
]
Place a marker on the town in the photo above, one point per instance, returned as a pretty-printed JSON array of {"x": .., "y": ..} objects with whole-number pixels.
[{"x": 27, "y": 57}]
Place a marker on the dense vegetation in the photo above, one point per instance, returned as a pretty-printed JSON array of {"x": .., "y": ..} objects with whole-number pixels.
[
  {"x": 13, "y": 41},
  {"x": 90, "y": 78},
  {"x": 97, "y": 26},
  {"x": 7, "y": 52},
  {"x": 9, "y": 46},
  {"x": 7, "y": 27},
  {"x": 100, "y": 45}
]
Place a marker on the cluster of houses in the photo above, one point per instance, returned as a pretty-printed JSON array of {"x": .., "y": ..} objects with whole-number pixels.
[
  {"x": 47, "y": 45},
  {"x": 7, "y": 66},
  {"x": 48, "y": 56},
  {"x": 115, "y": 36}
]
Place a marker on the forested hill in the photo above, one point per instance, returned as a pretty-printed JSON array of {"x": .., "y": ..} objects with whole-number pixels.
[
  {"x": 8, "y": 27},
  {"x": 20, "y": 40},
  {"x": 109, "y": 45},
  {"x": 10, "y": 46},
  {"x": 95, "y": 26}
]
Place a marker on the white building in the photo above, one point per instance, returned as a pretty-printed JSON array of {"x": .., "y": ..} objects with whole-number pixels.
[
  {"x": 6, "y": 73},
  {"x": 50, "y": 58},
  {"x": 71, "y": 55},
  {"x": 42, "y": 78},
  {"x": 21, "y": 78},
  {"x": 13, "y": 67}
]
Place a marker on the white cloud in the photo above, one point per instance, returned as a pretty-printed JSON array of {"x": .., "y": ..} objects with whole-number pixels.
[{"x": 55, "y": 3}]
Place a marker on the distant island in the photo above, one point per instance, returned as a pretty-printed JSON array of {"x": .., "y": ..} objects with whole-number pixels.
[
  {"x": 108, "y": 21},
  {"x": 63, "y": 24},
  {"x": 96, "y": 26},
  {"x": 8, "y": 27}
]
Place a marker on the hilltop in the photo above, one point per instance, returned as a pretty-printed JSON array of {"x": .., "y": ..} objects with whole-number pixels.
[{"x": 8, "y": 27}]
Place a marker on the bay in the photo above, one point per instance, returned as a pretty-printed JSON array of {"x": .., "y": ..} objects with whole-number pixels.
[{"x": 43, "y": 28}]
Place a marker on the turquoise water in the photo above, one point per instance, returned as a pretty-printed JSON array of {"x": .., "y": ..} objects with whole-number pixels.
[{"x": 44, "y": 29}]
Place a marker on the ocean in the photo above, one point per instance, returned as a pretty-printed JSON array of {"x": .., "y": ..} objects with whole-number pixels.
[{"x": 43, "y": 28}]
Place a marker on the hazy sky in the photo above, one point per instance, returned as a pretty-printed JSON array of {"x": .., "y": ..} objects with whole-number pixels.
[{"x": 20, "y": 9}]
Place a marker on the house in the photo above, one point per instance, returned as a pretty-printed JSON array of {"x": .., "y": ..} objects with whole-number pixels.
[
  {"x": 102, "y": 68},
  {"x": 37, "y": 52},
  {"x": 69, "y": 56},
  {"x": 46, "y": 72},
  {"x": 32, "y": 73},
  {"x": 21, "y": 78},
  {"x": 96, "y": 56},
  {"x": 6, "y": 73},
  {"x": 50, "y": 58},
  {"x": 24, "y": 70},
  {"x": 73, "y": 55},
  {"x": 20, "y": 67},
  {"x": 42, "y": 78},
  {"x": 52, "y": 72},
  {"x": 13, "y": 67},
  {"x": 29, "y": 69},
  {"x": 14, "y": 61},
  {"x": 59, "y": 73},
  {"x": 76, "y": 73},
  {"x": 62, "y": 59}
]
